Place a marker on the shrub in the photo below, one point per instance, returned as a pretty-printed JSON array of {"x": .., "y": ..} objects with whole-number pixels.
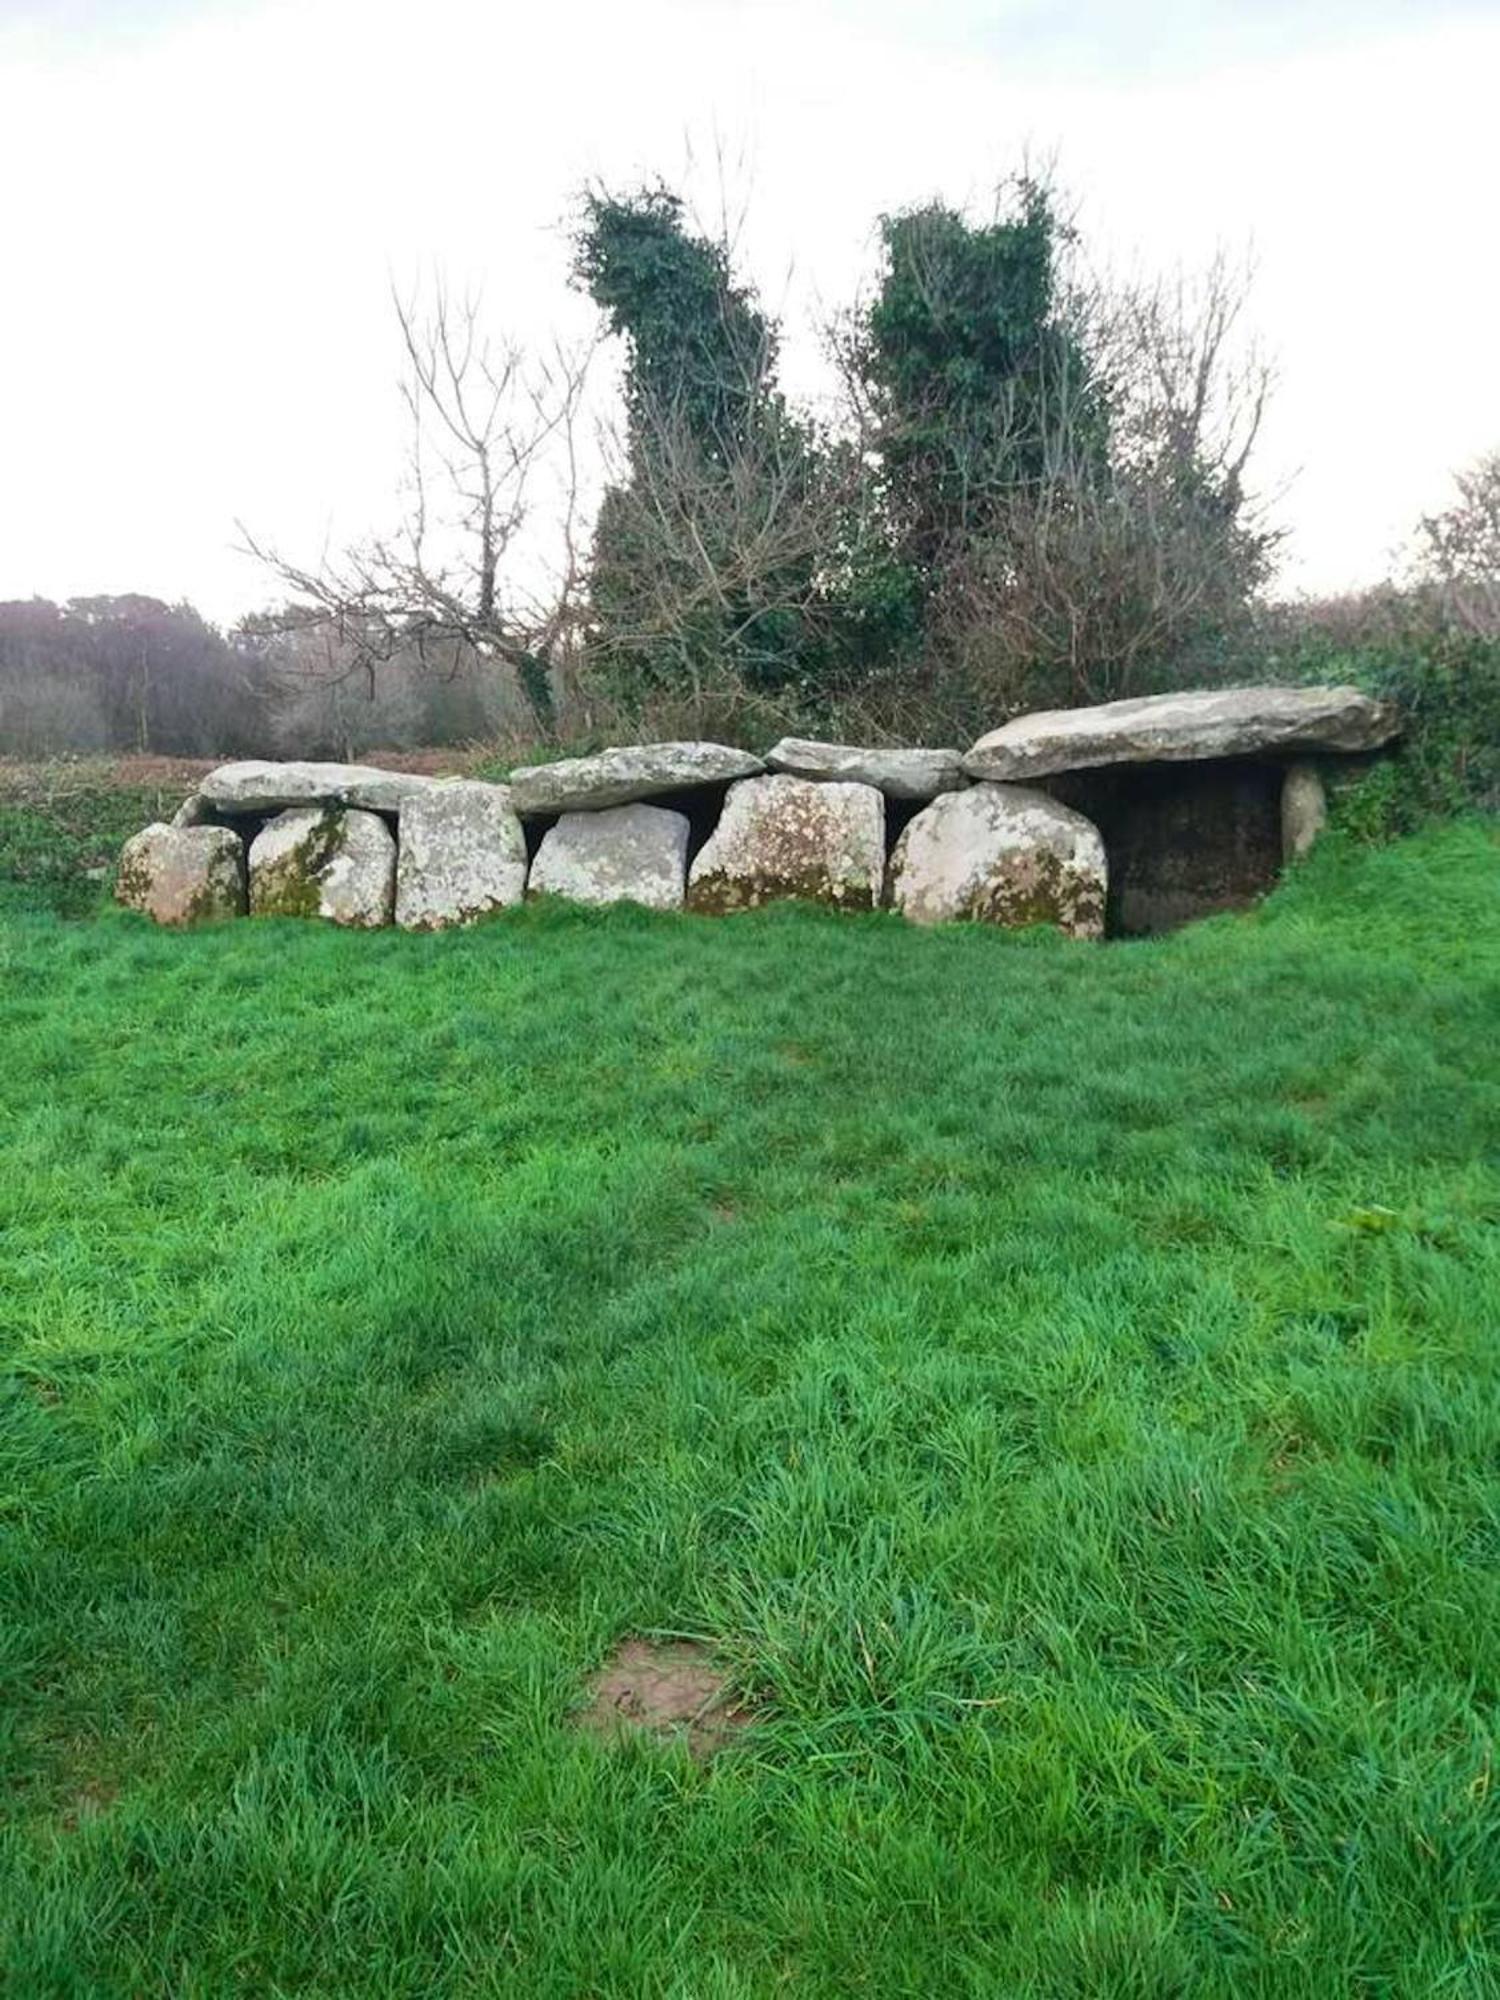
[{"x": 1446, "y": 681}]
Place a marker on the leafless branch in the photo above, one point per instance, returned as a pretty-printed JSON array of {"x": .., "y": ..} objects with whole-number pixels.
[{"x": 467, "y": 571}]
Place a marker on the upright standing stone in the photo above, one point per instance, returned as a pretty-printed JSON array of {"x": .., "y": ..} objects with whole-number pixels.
[
  {"x": 623, "y": 854},
  {"x": 462, "y": 855},
  {"x": 1304, "y": 810},
  {"x": 183, "y": 874},
  {"x": 1001, "y": 854},
  {"x": 315, "y": 861},
  {"x": 781, "y": 836}
]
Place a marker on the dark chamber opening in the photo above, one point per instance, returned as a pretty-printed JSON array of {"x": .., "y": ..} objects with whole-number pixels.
[{"x": 1183, "y": 840}]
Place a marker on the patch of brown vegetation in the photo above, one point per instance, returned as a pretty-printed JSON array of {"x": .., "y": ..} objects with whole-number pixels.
[
  {"x": 88, "y": 1803},
  {"x": 667, "y": 1689},
  {"x": 40, "y": 780}
]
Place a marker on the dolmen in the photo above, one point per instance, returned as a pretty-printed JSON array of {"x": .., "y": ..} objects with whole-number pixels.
[{"x": 1126, "y": 818}]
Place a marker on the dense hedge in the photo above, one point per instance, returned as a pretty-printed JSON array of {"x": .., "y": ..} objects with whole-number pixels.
[{"x": 1447, "y": 685}]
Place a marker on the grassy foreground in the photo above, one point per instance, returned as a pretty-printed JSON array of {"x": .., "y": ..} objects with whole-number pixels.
[{"x": 1063, "y": 1383}]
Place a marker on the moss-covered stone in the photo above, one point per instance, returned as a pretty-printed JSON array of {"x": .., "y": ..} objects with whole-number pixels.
[
  {"x": 1001, "y": 854},
  {"x": 183, "y": 875},
  {"x": 462, "y": 855},
  {"x": 784, "y": 837},
  {"x": 319, "y": 861}
]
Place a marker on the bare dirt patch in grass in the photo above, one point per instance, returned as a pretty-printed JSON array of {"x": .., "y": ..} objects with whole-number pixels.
[
  {"x": 91, "y": 1801},
  {"x": 668, "y": 1689}
]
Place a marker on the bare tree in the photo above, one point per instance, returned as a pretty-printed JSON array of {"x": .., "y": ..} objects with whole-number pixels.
[
  {"x": 1458, "y": 551},
  {"x": 471, "y": 571},
  {"x": 724, "y": 549},
  {"x": 1087, "y": 586},
  {"x": 1187, "y": 383},
  {"x": 1138, "y": 538}
]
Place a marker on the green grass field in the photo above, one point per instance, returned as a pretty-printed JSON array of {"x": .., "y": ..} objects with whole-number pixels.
[{"x": 1061, "y": 1382}]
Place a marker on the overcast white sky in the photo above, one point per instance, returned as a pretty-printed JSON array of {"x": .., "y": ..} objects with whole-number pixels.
[{"x": 206, "y": 200}]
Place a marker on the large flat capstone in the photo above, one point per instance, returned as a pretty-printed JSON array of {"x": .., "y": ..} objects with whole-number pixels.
[
  {"x": 620, "y": 854},
  {"x": 316, "y": 861},
  {"x": 1001, "y": 854},
  {"x": 780, "y": 836},
  {"x": 900, "y": 774},
  {"x": 462, "y": 855},
  {"x": 1178, "y": 728},
  {"x": 257, "y": 786},
  {"x": 635, "y": 771},
  {"x": 183, "y": 875}
]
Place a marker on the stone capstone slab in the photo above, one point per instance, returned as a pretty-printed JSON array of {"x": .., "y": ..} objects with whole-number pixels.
[
  {"x": 620, "y": 854},
  {"x": 1001, "y": 854},
  {"x": 900, "y": 774},
  {"x": 617, "y": 777},
  {"x": 781, "y": 836},
  {"x": 257, "y": 786},
  {"x": 1176, "y": 728},
  {"x": 318, "y": 861},
  {"x": 462, "y": 854},
  {"x": 183, "y": 875}
]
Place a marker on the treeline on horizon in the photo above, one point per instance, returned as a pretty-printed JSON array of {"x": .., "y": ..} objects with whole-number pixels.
[{"x": 133, "y": 675}]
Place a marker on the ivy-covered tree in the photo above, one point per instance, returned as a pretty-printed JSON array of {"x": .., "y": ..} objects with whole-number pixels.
[
  {"x": 1061, "y": 465},
  {"x": 972, "y": 377},
  {"x": 697, "y": 343},
  {"x": 712, "y": 536}
]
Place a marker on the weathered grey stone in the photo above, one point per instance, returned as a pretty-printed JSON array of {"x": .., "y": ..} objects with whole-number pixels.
[
  {"x": 194, "y": 811},
  {"x": 900, "y": 774},
  {"x": 183, "y": 874},
  {"x": 316, "y": 861},
  {"x": 783, "y": 836},
  {"x": 1001, "y": 854},
  {"x": 1175, "y": 728},
  {"x": 621, "y": 854},
  {"x": 255, "y": 786},
  {"x": 1304, "y": 810},
  {"x": 635, "y": 771},
  {"x": 462, "y": 855}
]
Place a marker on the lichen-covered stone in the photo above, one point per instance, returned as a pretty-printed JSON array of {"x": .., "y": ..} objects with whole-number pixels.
[
  {"x": 183, "y": 874},
  {"x": 1178, "y": 728},
  {"x": 900, "y": 774},
  {"x": 623, "y": 854},
  {"x": 781, "y": 836},
  {"x": 634, "y": 771},
  {"x": 462, "y": 855},
  {"x": 1001, "y": 854},
  {"x": 1304, "y": 810},
  {"x": 255, "y": 785},
  {"x": 316, "y": 861}
]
